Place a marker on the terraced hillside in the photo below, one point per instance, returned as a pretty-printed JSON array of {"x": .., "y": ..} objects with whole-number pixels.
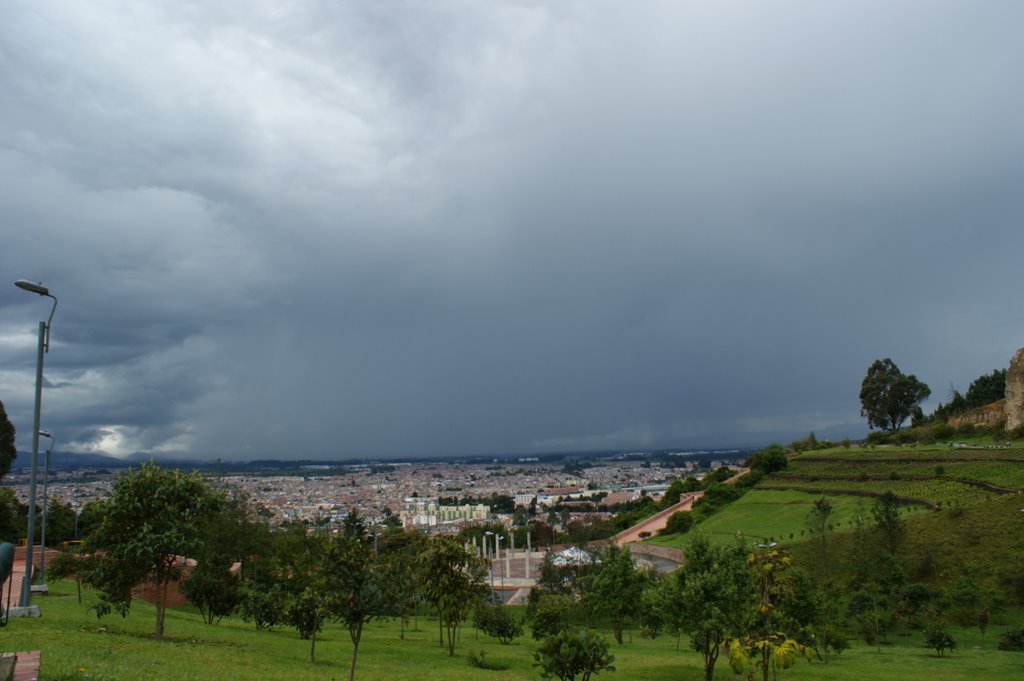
[
  {"x": 964, "y": 507},
  {"x": 932, "y": 476}
]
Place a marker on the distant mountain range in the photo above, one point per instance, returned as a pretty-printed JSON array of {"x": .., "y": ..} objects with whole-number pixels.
[{"x": 746, "y": 443}]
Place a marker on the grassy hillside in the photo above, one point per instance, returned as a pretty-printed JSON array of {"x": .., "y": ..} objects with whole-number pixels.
[
  {"x": 77, "y": 646},
  {"x": 964, "y": 507},
  {"x": 763, "y": 515}
]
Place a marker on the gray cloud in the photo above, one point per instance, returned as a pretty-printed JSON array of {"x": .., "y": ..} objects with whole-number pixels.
[{"x": 401, "y": 229}]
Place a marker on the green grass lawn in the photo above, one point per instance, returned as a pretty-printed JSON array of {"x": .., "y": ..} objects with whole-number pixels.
[
  {"x": 77, "y": 646},
  {"x": 777, "y": 515}
]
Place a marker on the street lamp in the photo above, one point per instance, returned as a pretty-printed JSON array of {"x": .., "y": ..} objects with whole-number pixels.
[
  {"x": 490, "y": 561},
  {"x": 44, "y": 346},
  {"x": 497, "y": 556},
  {"x": 46, "y": 499}
]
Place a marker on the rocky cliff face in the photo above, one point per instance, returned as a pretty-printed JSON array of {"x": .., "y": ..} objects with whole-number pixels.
[
  {"x": 1015, "y": 392},
  {"x": 987, "y": 416}
]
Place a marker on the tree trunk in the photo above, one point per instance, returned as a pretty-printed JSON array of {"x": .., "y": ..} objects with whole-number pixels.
[
  {"x": 356, "y": 634},
  {"x": 312, "y": 648},
  {"x": 159, "y": 602},
  {"x": 710, "y": 658},
  {"x": 617, "y": 628}
]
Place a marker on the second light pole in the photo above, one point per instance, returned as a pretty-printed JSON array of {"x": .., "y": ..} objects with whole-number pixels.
[{"x": 46, "y": 499}]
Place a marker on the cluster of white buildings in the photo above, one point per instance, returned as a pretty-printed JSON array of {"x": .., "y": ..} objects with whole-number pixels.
[{"x": 421, "y": 514}]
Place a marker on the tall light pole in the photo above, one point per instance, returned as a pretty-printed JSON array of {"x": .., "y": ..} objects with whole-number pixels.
[
  {"x": 46, "y": 498},
  {"x": 490, "y": 561},
  {"x": 44, "y": 346},
  {"x": 497, "y": 556}
]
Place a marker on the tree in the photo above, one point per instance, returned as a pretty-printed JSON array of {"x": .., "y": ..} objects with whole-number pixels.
[
  {"x": 617, "y": 589},
  {"x": 714, "y": 597},
  {"x": 819, "y": 524},
  {"x": 770, "y": 459},
  {"x": 547, "y": 613},
  {"x": 986, "y": 389},
  {"x": 264, "y": 599},
  {"x": 302, "y": 582},
  {"x": 936, "y": 636},
  {"x": 571, "y": 652},
  {"x": 452, "y": 580},
  {"x": 888, "y": 397},
  {"x": 891, "y": 527},
  {"x": 496, "y": 620},
  {"x": 8, "y": 450},
  {"x": 353, "y": 583},
  {"x": 11, "y": 527},
  {"x": 766, "y": 648},
  {"x": 226, "y": 537},
  {"x": 149, "y": 523},
  {"x": 397, "y": 557}
]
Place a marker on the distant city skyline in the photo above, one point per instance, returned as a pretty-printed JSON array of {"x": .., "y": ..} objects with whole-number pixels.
[{"x": 332, "y": 230}]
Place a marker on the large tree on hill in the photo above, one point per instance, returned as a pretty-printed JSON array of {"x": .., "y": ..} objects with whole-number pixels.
[
  {"x": 888, "y": 397},
  {"x": 152, "y": 520},
  {"x": 8, "y": 450}
]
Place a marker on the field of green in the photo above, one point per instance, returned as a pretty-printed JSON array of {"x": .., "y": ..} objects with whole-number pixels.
[
  {"x": 75, "y": 645},
  {"x": 937, "y": 474},
  {"x": 763, "y": 515}
]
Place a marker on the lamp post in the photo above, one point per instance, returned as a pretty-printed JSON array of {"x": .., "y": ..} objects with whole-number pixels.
[
  {"x": 44, "y": 346},
  {"x": 490, "y": 561},
  {"x": 46, "y": 498},
  {"x": 497, "y": 556}
]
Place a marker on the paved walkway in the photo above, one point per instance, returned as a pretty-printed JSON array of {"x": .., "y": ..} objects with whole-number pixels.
[
  {"x": 657, "y": 522},
  {"x": 27, "y": 666},
  {"x": 14, "y": 585}
]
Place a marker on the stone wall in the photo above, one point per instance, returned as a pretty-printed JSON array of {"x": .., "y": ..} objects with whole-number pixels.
[{"x": 1014, "y": 408}]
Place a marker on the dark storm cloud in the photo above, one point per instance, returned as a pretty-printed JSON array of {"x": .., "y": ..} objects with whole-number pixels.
[{"x": 400, "y": 229}]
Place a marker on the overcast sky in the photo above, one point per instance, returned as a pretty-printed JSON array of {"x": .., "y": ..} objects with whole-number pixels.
[{"x": 388, "y": 229}]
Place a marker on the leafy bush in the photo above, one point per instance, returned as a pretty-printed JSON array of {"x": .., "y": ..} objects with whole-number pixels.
[
  {"x": 573, "y": 652},
  {"x": 263, "y": 608},
  {"x": 497, "y": 621},
  {"x": 833, "y": 640},
  {"x": 478, "y": 659},
  {"x": 678, "y": 523},
  {"x": 1012, "y": 640},
  {"x": 549, "y": 614},
  {"x": 770, "y": 459},
  {"x": 938, "y": 637}
]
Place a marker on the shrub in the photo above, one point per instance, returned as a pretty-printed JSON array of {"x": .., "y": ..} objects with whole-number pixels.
[
  {"x": 678, "y": 523},
  {"x": 1012, "y": 640},
  {"x": 771, "y": 459},
  {"x": 497, "y": 621},
  {"x": 478, "y": 659},
  {"x": 573, "y": 652},
  {"x": 549, "y": 615},
  {"x": 833, "y": 640},
  {"x": 938, "y": 637}
]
